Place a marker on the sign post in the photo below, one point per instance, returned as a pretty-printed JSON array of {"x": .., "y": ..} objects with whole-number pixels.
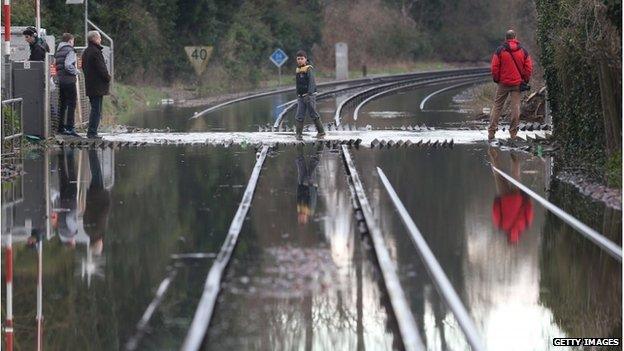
[
  {"x": 342, "y": 61},
  {"x": 279, "y": 57},
  {"x": 199, "y": 56}
]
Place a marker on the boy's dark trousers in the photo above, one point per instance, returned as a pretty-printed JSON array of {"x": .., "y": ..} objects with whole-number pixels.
[
  {"x": 67, "y": 102},
  {"x": 306, "y": 105}
]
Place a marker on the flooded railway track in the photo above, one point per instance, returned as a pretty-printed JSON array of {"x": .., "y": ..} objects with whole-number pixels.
[{"x": 283, "y": 281}]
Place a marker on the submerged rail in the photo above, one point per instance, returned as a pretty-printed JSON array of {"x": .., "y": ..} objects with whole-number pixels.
[
  {"x": 290, "y": 105},
  {"x": 424, "y": 101},
  {"x": 290, "y": 89},
  {"x": 609, "y": 246},
  {"x": 133, "y": 342},
  {"x": 421, "y": 80},
  {"x": 389, "y": 91},
  {"x": 435, "y": 270},
  {"x": 205, "y": 308},
  {"x": 402, "y": 311}
]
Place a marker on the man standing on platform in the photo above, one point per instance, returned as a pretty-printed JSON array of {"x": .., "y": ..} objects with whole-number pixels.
[
  {"x": 66, "y": 72},
  {"x": 97, "y": 80},
  {"x": 511, "y": 70}
]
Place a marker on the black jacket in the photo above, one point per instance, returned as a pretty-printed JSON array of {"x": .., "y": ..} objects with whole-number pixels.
[
  {"x": 304, "y": 80},
  {"x": 37, "y": 52},
  {"x": 97, "y": 78}
]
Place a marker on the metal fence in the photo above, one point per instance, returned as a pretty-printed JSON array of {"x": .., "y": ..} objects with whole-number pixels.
[{"x": 12, "y": 121}]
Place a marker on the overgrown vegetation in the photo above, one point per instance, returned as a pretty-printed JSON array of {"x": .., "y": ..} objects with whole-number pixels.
[
  {"x": 126, "y": 100},
  {"x": 581, "y": 55},
  {"x": 150, "y": 35}
]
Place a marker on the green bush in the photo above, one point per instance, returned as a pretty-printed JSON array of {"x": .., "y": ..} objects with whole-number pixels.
[{"x": 570, "y": 70}]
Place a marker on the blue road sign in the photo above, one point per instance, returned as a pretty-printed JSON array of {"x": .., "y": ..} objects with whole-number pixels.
[{"x": 278, "y": 57}]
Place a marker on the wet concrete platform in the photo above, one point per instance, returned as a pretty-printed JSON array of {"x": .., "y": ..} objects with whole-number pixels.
[{"x": 355, "y": 137}]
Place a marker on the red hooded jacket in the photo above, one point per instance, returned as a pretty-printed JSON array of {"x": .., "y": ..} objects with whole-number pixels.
[{"x": 504, "y": 70}]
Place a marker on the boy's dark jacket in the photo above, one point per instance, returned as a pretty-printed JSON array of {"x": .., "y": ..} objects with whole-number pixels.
[{"x": 305, "y": 80}]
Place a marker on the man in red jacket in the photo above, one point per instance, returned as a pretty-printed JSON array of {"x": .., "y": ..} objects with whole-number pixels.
[{"x": 511, "y": 66}]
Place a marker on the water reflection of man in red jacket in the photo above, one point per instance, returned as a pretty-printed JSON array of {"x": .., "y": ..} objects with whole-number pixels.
[{"x": 512, "y": 210}]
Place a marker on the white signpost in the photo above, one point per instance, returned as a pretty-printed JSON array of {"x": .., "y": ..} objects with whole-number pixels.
[
  {"x": 342, "y": 61},
  {"x": 279, "y": 57},
  {"x": 199, "y": 56}
]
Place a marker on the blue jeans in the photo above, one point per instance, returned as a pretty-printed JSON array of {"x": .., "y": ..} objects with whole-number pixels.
[{"x": 96, "y": 114}]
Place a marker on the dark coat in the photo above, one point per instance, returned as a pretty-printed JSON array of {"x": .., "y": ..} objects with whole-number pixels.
[
  {"x": 37, "y": 52},
  {"x": 305, "y": 81},
  {"x": 97, "y": 78}
]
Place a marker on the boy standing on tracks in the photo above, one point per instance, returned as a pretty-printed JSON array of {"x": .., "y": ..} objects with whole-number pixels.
[{"x": 306, "y": 100}]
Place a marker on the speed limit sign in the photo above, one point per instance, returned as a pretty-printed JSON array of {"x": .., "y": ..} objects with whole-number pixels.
[{"x": 199, "y": 56}]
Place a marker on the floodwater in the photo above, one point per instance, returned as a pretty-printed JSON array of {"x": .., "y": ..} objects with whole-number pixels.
[
  {"x": 403, "y": 109},
  {"x": 243, "y": 116},
  {"x": 94, "y": 234},
  {"x": 524, "y": 275},
  {"x": 300, "y": 278},
  {"x": 116, "y": 217}
]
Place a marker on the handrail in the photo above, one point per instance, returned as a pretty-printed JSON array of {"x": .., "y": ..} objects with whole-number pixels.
[{"x": 15, "y": 138}]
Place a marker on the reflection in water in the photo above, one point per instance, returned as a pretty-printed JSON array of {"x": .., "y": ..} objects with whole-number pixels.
[
  {"x": 307, "y": 182},
  {"x": 303, "y": 283},
  {"x": 100, "y": 260},
  {"x": 23, "y": 225},
  {"x": 65, "y": 218},
  {"x": 97, "y": 206},
  {"x": 83, "y": 205},
  {"x": 512, "y": 210},
  {"x": 551, "y": 283},
  {"x": 580, "y": 283}
]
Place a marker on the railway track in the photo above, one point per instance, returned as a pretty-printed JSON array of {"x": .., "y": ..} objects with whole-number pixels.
[{"x": 365, "y": 92}]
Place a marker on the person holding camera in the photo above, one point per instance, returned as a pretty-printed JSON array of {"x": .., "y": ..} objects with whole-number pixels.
[{"x": 511, "y": 70}]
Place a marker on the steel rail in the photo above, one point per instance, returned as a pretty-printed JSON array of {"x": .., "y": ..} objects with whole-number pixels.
[
  {"x": 424, "y": 101},
  {"x": 450, "y": 76},
  {"x": 445, "y": 288},
  {"x": 412, "y": 340},
  {"x": 212, "y": 287},
  {"x": 385, "y": 92},
  {"x": 289, "y": 89},
  {"x": 290, "y": 105},
  {"x": 609, "y": 246}
]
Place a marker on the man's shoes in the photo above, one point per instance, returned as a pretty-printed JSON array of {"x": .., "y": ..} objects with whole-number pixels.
[
  {"x": 71, "y": 132},
  {"x": 94, "y": 136}
]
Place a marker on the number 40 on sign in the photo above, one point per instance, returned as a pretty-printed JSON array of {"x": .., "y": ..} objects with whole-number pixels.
[{"x": 199, "y": 56}]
